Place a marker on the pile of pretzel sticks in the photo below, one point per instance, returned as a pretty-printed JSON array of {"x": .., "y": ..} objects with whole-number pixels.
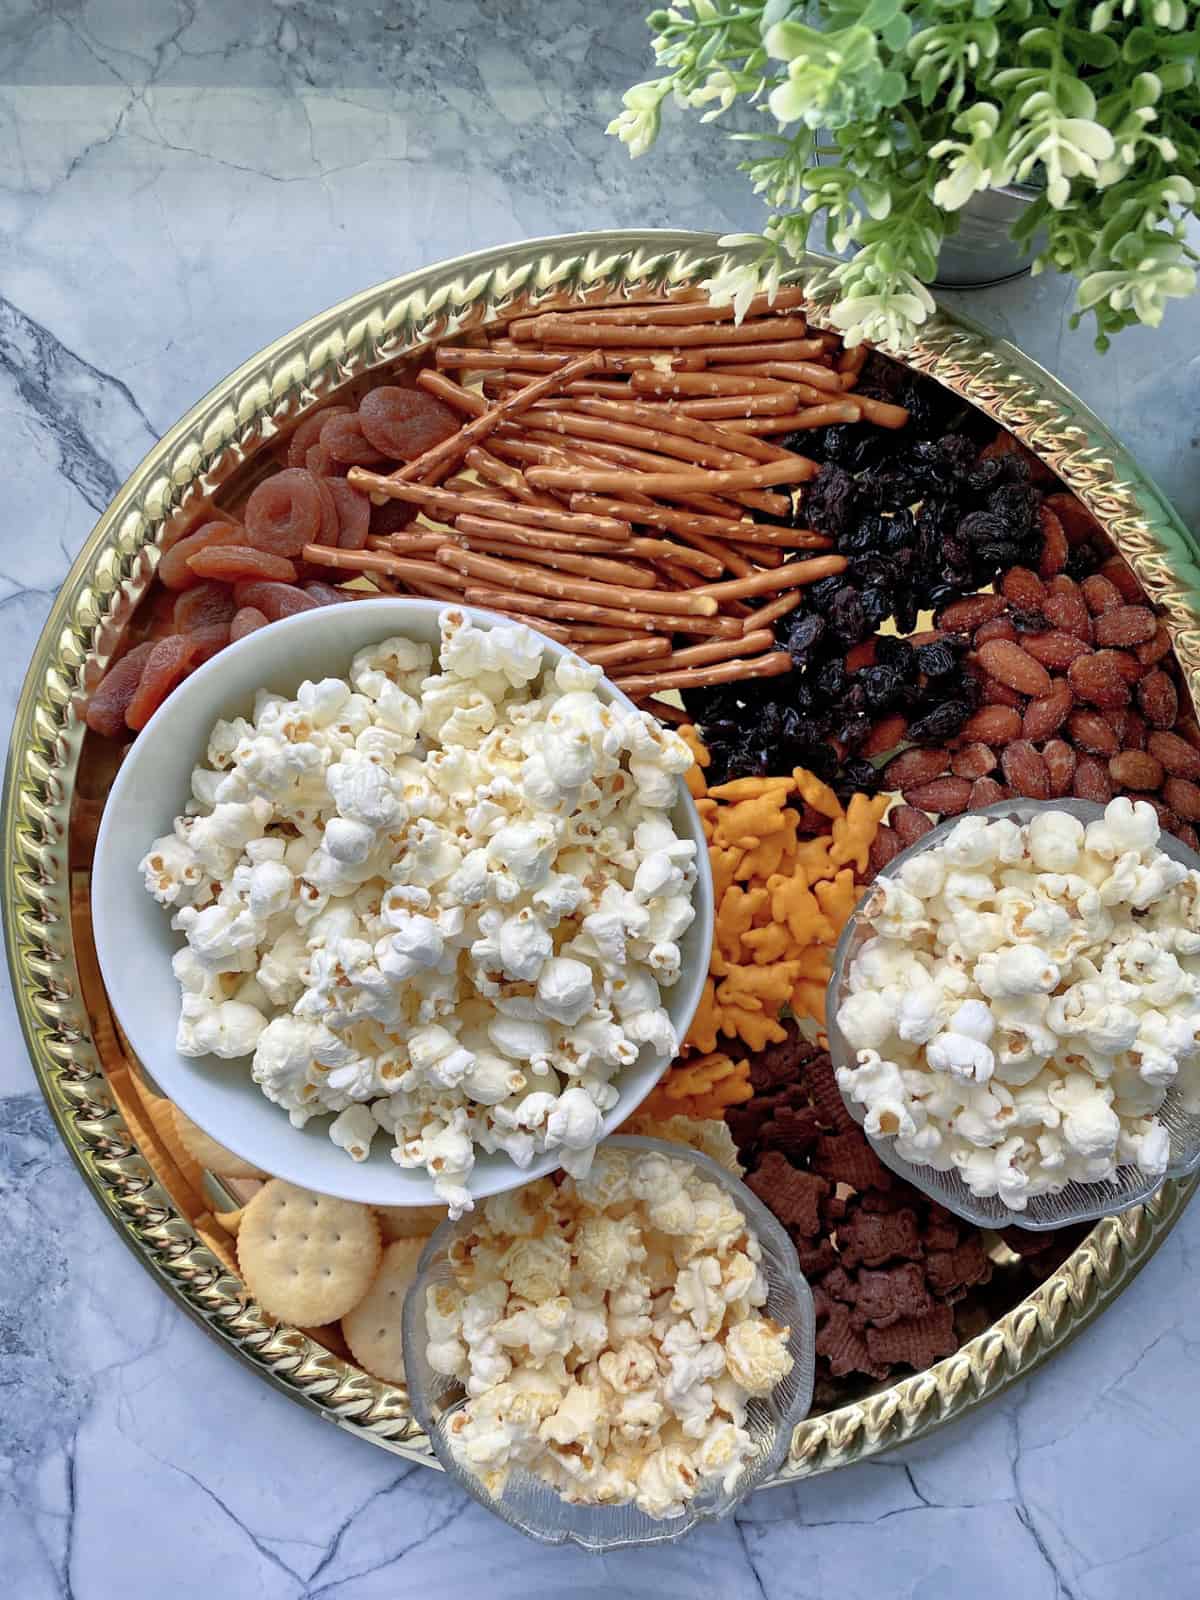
[{"x": 605, "y": 482}]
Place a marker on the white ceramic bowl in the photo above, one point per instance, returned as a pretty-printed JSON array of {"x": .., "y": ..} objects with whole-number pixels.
[{"x": 135, "y": 943}]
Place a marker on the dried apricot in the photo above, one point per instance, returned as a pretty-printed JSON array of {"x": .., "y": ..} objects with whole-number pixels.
[
  {"x": 325, "y": 594},
  {"x": 231, "y": 563},
  {"x": 174, "y": 571},
  {"x": 169, "y": 661},
  {"x": 285, "y": 513},
  {"x": 347, "y": 444},
  {"x": 111, "y": 698},
  {"x": 203, "y": 606},
  {"x": 404, "y": 423},
  {"x": 274, "y": 600},
  {"x": 309, "y": 431},
  {"x": 248, "y": 620},
  {"x": 353, "y": 512},
  {"x": 209, "y": 641}
]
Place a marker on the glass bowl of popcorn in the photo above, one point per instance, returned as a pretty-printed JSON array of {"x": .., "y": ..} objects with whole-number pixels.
[
  {"x": 402, "y": 902},
  {"x": 613, "y": 1359},
  {"x": 1014, "y": 1012}
]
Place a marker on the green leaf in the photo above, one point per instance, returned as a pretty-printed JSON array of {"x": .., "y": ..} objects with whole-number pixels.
[
  {"x": 896, "y": 32},
  {"x": 1094, "y": 49},
  {"x": 775, "y": 11}
]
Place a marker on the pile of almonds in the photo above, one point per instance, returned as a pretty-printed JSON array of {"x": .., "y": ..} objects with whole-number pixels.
[{"x": 1079, "y": 696}]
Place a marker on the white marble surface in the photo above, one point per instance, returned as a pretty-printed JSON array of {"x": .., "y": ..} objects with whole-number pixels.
[{"x": 179, "y": 183}]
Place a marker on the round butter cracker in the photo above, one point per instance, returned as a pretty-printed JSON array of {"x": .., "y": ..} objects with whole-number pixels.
[
  {"x": 211, "y": 1155},
  {"x": 306, "y": 1258},
  {"x": 409, "y": 1222},
  {"x": 373, "y": 1328}
]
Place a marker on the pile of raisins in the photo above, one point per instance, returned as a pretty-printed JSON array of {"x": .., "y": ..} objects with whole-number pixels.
[{"x": 923, "y": 514}]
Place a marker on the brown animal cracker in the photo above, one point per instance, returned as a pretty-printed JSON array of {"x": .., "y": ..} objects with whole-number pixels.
[
  {"x": 825, "y": 1094},
  {"x": 884, "y": 1297},
  {"x": 845, "y": 1348},
  {"x": 793, "y": 1196},
  {"x": 915, "y": 1341},
  {"x": 306, "y": 1258},
  {"x": 869, "y": 1239},
  {"x": 848, "y": 1158}
]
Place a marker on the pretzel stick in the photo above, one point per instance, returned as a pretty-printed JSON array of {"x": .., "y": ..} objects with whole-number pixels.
[
  {"x": 753, "y": 642},
  {"x": 597, "y": 633},
  {"x": 662, "y": 709},
  {"x": 785, "y": 577},
  {"x": 504, "y": 575},
  {"x": 853, "y": 361},
  {"x": 479, "y": 525},
  {"x": 408, "y": 544},
  {"x": 718, "y": 407},
  {"x": 427, "y": 591},
  {"x": 655, "y": 440},
  {"x": 438, "y": 460},
  {"x": 448, "y": 501},
  {"x": 665, "y": 419},
  {"x": 553, "y": 329},
  {"x": 453, "y": 394},
  {"x": 806, "y": 394},
  {"x": 672, "y": 316},
  {"x": 577, "y": 611},
  {"x": 880, "y": 412},
  {"x": 376, "y": 561},
  {"x": 656, "y": 516},
  {"x": 812, "y": 417},
  {"x": 586, "y": 566},
  {"x": 679, "y": 555},
  {"x": 723, "y": 355},
  {"x": 612, "y": 655},
  {"x": 799, "y": 469},
  {"x": 671, "y": 385},
  {"x": 768, "y": 666},
  {"x": 760, "y": 535},
  {"x": 770, "y": 613},
  {"x": 492, "y": 470}
]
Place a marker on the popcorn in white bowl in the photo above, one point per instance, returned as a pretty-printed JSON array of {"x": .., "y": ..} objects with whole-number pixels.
[
  {"x": 451, "y": 917},
  {"x": 1015, "y": 1011}
]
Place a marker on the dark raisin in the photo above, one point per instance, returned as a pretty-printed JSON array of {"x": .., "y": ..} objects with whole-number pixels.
[
  {"x": 876, "y": 605},
  {"x": 937, "y": 659},
  {"x": 846, "y": 615},
  {"x": 831, "y": 501},
  {"x": 833, "y": 680},
  {"x": 821, "y": 594},
  {"x": 803, "y": 636},
  {"x": 1026, "y": 621},
  {"x": 939, "y": 724}
]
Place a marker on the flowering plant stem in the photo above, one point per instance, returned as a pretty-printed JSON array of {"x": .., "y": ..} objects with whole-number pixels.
[{"x": 924, "y": 103}]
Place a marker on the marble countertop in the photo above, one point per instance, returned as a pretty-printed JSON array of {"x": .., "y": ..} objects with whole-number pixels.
[{"x": 180, "y": 183}]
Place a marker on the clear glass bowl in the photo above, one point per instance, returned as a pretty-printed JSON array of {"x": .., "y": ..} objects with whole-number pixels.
[
  {"x": 1076, "y": 1202},
  {"x": 532, "y": 1506}
]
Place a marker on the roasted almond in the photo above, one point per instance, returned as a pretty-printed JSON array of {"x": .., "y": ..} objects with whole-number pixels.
[
  {"x": 1012, "y": 666},
  {"x": 1127, "y": 625},
  {"x": 1091, "y": 781},
  {"x": 1181, "y": 759},
  {"x": 973, "y": 761},
  {"x": 944, "y": 797},
  {"x": 997, "y": 628},
  {"x": 860, "y": 655},
  {"x": 885, "y": 846},
  {"x": 1065, "y": 608},
  {"x": 1055, "y": 549},
  {"x": 1100, "y": 595},
  {"x": 995, "y": 693},
  {"x": 908, "y": 824},
  {"x": 1047, "y": 715},
  {"x": 1155, "y": 649},
  {"x": 1136, "y": 769},
  {"x": 1056, "y": 649},
  {"x": 1158, "y": 699},
  {"x": 1099, "y": 680},
  {"x": 1187, "y": 835},
  {"x": 1078, "y": 523},
  {"x": 964, "y": 616},
  {"x": 914, "y": 766},
  {"x": 1024, "y": 588},
  {"x": 993, "y": 725},
  {"x": 986, "y": 792},
  {"x": 1024, "y": 770},
  {"x": 1091, "y": 731},
  {"x": 1120, "y": 574},
  {"x": 1060, "y": 761},
  {"x": 885, "y": 735}
]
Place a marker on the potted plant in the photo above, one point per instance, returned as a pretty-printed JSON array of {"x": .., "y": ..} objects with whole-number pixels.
[{"x": 889, "y": 117}]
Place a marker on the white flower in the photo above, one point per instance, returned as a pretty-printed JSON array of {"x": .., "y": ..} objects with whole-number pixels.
[{"x": 638, "y": 124}]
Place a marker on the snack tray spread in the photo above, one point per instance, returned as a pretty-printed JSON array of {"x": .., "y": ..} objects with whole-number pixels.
[{"x": 52, "y": 802}]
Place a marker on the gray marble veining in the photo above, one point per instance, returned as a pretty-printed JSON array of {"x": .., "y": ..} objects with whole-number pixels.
[{"x": 180, "y": 183}]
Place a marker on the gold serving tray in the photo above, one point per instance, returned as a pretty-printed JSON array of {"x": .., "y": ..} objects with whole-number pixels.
[{"x": 109, "y": 1117}]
